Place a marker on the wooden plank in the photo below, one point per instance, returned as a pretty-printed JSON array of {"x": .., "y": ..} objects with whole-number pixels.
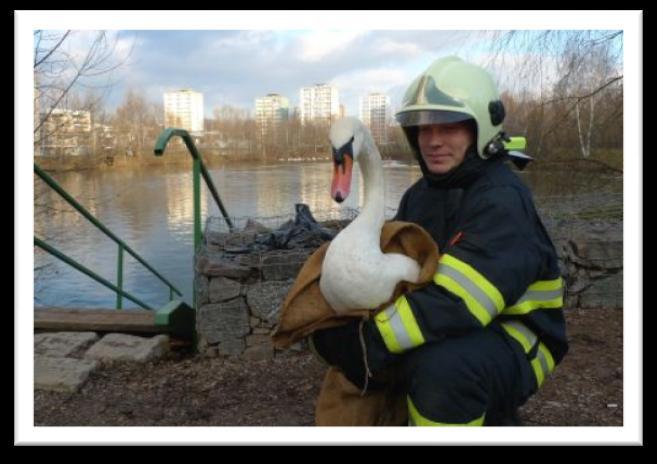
[{"x": 96, "y": 320}]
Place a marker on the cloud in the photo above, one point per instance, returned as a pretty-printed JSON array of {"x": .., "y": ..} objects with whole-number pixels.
[
  {"x": 316, "y": 45},
  {"x": 237, "y": 66},
  {"x": 371, "y": 80}
]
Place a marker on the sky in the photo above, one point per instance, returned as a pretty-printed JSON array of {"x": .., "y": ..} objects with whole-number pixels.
[{"x": 234, "y": 67}]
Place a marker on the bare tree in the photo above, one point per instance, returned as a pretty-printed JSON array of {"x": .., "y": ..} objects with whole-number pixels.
[
  {"x": 58, "y": 71},
  {"x": 565, "y": 77},
  {"x": 136, "y": 123}
]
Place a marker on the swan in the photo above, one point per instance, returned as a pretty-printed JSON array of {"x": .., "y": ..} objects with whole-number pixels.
[{"x": 355, "y": 273}]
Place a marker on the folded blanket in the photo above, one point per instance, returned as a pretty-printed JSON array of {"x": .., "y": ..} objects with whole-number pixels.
[{"x": 305, "y": 310}]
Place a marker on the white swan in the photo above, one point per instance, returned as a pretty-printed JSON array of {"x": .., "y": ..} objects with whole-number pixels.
[{"x": 356, "y": 274}]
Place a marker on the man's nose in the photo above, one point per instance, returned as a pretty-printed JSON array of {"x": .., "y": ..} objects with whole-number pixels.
[{"x": 436, "y": 138}]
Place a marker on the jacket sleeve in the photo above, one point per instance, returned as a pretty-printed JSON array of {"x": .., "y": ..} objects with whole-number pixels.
[{"x": 492, "y": 264}]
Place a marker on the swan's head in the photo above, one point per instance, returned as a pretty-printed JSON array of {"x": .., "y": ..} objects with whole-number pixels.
[{"x": 346, "y": 137}]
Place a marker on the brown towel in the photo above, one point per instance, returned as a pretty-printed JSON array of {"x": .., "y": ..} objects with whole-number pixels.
[{"x": 305, "y": 310}]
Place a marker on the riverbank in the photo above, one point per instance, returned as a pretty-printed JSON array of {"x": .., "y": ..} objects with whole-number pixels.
[
  {"x": 192, "y": 390},
  {"x": 179, "y": 157}
]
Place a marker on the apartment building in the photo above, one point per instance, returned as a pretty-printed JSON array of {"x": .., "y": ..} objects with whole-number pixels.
[
  {"x": 319, "y": 103},
  {"x": 270, "y": 112},
  {"x": 66, "y": 132},
  {"x": 184, "y": 109},
  {"x": 375, "y": 113}
]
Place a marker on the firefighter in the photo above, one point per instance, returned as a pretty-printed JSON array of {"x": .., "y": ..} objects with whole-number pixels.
[{"x": 476, "y": 343}]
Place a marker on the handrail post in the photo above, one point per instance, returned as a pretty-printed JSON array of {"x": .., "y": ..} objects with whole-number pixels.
[
  {"x": 197, "y": 213},
  {"x": 119, "y": 279},
  {"x": 161, "y": 144},
  {"x": 198, "y": 170},
  {"x": 197, "y": 204}
]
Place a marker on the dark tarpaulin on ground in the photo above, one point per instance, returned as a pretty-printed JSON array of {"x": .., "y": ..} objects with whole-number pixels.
[{"x": 302, "y": 232}]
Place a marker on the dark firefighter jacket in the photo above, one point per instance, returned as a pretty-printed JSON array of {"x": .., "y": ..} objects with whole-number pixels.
[{"x": 497, "y": 263}]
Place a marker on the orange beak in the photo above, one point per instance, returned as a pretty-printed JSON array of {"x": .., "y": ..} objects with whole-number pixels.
[{"x": 341, "y": 185}]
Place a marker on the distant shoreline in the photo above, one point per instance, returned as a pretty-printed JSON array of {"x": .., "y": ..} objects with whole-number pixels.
[{"x": 173, "y": 158}]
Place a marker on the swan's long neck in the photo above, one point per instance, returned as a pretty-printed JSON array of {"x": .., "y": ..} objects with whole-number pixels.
[{"x": 369, "y": 161}]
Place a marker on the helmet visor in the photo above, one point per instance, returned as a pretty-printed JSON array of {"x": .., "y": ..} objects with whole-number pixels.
[{"x": 423, "y": 118}]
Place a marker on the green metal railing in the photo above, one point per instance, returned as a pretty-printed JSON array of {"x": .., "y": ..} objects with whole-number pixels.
[
  {"x": 118, "y": 289},
  {"x": 198, "y": 169}
]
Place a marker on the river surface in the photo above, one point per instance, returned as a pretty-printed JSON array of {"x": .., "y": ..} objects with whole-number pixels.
[{"x": 152, "y": 211}]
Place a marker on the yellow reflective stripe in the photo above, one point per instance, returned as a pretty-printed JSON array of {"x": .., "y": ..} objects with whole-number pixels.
[
  {"x": 547, "y": 285},
  {"x": 382, "y": 321},
  {"x": 543, "y": 364},
  {"x": 398, "y": 327},
  {"x": 538, "y": 371},
  {"x": 521, "y": 333},
  {"x": 479, "y": 280},
  {"x": 415, "y": 418},
  {"x": 529, "y": 306},
  {"x": 544, "y": 294}
]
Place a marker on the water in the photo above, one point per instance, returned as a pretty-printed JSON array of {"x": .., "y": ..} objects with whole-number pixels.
[{"x": 152, "y": 211}]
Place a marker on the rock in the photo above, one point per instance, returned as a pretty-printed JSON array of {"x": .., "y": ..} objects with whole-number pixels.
[
  {"x": 259, "y": 339},
  {"x": 283, "y": 265},
  {"x": 232, "y": 347},
  {"x": 211, "y": 352},
  {"x": 597, "y": 248},
  {"x": 604, "y": 293},
  {"x": 265, "y": 299},
  {"x": 61, "y": 374},
  {"x": 217, "y": 236},
  {"x": 63, "y": 344},
  {"x": 218, "y": 265},
  {"x": 254, "y": 226},
  {"x": 122, "y": 347},
  {"x": 258, "y": 352},
  {"x": 223, "y": 321},
  {"x": 222, "y": 289},
  {"x": 202, "y": 289}
]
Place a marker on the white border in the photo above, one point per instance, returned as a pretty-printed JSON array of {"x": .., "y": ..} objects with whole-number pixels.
[{"x": 629, "y": 21}]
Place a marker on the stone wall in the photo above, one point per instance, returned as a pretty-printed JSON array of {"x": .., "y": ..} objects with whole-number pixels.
[
  {"x": 239, "y": 292},
  {"x": 591, "y": 259}
]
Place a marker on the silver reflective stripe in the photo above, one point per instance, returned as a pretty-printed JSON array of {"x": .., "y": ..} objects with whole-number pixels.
[
  {"x": 395, "y": 320},
  {"x": 544, "y": 364},
  {"x": 525, "y": 331},
  {"x": 469, "y": 287},
  {"x": 538, "y": 295}
]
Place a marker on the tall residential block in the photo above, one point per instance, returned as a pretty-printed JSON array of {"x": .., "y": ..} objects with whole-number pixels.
[
  {"x": 184, "y": 109},
  {"x": 375, "y": 113},
  {"x": 271, "y": 111},
  {"x": 66, "y": 132},
  {"x": 319, "y": 103}
]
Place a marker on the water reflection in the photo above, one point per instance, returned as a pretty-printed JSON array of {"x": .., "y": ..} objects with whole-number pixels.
[{"x": 152, "y": 211}]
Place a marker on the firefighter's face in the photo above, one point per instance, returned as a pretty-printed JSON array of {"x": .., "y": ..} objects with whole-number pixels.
[{"x": 443, "y": 146}]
